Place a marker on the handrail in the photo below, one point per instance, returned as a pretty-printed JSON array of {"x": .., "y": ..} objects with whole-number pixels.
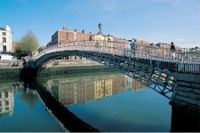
[{"x": 116, "y": 48}]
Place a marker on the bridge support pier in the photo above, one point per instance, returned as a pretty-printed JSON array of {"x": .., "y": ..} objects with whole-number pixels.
[
  {"x": 187, "y": 91},
  {"x": 28, "y": 72},
  {"x": 184, "y": 119}
]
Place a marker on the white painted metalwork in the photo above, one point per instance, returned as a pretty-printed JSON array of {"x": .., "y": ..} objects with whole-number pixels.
[{"x": 185, "y": 62}]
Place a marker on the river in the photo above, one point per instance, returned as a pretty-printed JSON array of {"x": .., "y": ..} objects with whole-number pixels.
[
  {"x": 107, "y": 102},
  {"x": 21, "y": 110},
  {"x": 113, "y": 102}
]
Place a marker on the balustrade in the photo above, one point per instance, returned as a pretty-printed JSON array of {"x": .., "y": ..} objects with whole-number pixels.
[{"x": 182, "y": 59}]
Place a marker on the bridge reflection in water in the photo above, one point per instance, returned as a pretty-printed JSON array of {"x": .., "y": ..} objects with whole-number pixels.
[
  {"x": 127, "y": 106},
  {"x": 114, "y": 103}
]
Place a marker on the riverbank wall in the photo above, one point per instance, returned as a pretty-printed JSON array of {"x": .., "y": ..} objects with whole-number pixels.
[
  {"x": 74, "y": 71},
  {"x": 11, "y": 74}
]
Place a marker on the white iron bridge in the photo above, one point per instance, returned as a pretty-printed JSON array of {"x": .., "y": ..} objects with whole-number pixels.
[{"x": 155, "y": 68}]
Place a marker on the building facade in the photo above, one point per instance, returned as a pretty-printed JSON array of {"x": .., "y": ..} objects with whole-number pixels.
[
  {"x": 63, "y": 36},
  {"x": 5, "y": 39}
]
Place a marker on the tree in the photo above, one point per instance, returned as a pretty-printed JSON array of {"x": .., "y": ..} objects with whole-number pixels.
[
  {"x": 28, "y": 43},
  {"x": 15, "y": 46}
]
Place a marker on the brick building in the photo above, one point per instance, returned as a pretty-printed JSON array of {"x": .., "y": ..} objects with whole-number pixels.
[{"x": 63, "y": 36}]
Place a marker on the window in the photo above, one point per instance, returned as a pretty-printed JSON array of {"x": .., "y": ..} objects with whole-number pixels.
[
  {"x": 4, "y": 48},
  {"x": 0, "y": 92},
  {"x": 6, "y": 94},
  {"x": 4, "y": 33},
  {"x": 7, "y": 108},
  {"x": 0, "y": 104},
  {"x": 4, "y": 39},
  {"x": 6, "y": 103}
]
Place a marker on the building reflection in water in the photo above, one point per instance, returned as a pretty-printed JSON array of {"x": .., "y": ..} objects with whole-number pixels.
[
  {"x": 7, "y": 99},
  {"x": 82, "y": 89}
]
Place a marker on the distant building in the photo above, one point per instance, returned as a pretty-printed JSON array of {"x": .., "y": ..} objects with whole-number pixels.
[
  {"x": 64, "y": 36},
  {"x": 163, "y": 49},
  {"x": 160, "y": 49},
  {"x": 139, "y": 45},
  {"x": 138, "y": 42},
  {"x": 5, "y": 39}
]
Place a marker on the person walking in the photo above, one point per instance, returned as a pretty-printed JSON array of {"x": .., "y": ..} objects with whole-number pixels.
[{"x": 173, "y": 50}]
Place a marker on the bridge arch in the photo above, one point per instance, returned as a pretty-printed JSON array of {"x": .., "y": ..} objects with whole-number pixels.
[
  {"x": 143, "y": 66},
  {"x": 155, "y": 71}
]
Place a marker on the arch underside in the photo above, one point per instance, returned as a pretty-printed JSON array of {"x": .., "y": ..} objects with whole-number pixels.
[{"x": 151, "y": 73}]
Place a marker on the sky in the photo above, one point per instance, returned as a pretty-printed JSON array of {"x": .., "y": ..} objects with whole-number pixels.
[{"x": 152, "y": 20}]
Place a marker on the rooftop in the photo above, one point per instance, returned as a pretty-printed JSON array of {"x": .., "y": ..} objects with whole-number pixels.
[{"x": 2, "y": 28}]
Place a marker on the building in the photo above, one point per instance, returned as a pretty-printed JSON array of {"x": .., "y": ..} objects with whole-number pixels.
[
  {"x": 145, "y": 47},
  {"x": 138, "y": 42},
  {"x": 111, "y": 41},
  {"x": 5, "y": 39},
  {"x": 63, "y": 36},
  {"x": 164, "y": 49},
  {"x": 139, "y": 45}
]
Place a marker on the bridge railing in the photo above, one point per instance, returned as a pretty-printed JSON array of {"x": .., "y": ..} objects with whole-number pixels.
[
  {"x": 167, "y": 54},
  {"x": 116, "y": 48},
  {"x": 190, "y": 57}
]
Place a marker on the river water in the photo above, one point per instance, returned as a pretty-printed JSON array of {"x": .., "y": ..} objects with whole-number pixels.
[
  {"x": 107, "y": 102},
  {"x": 21, "y": 110},
  {"x": 113, "y": 102}
]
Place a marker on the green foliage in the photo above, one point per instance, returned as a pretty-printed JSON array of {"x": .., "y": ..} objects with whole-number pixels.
[{"x": 28, "y": 43}]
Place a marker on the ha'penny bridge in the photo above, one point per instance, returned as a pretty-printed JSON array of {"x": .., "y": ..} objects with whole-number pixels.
[{"x": 172, "y": 74}]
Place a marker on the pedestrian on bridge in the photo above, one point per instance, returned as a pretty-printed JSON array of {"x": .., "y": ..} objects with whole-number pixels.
[{"x": 173, "y": 50}]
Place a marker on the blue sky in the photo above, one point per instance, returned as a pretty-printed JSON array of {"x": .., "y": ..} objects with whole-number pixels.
[{"x": 153, "y": 20}]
